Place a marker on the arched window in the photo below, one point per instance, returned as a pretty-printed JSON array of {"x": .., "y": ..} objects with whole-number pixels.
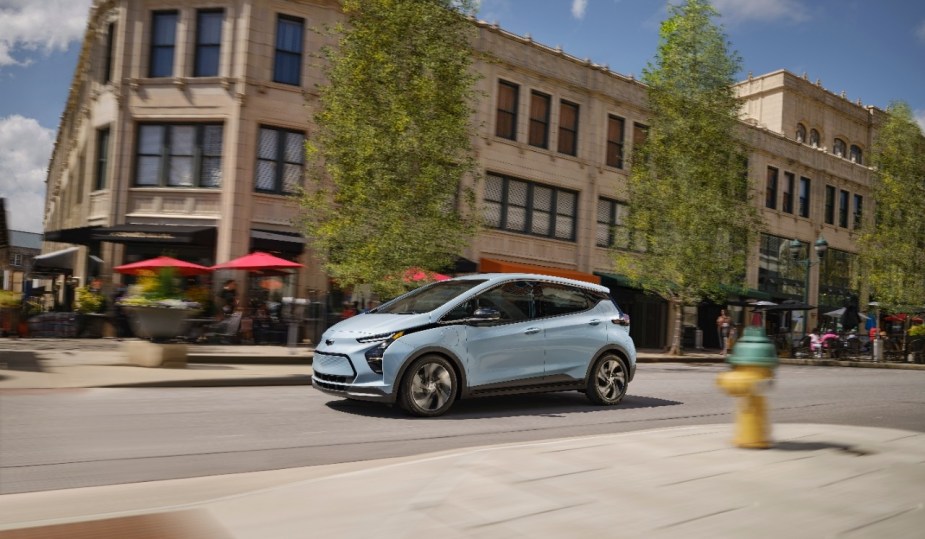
[
  {"x": 856, "y": 155},
  {"x": 814, "y": 138},
  {"x": 801, "y": 133},
  {"x": 840, "y": 149}
]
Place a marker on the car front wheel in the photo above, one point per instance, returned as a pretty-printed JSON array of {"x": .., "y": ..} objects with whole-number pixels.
[
  {"x": 429, "y": 387},
  {"x": 607, "y": 383}
]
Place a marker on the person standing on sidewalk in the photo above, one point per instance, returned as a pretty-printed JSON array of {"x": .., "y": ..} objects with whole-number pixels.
[{"x": 723, "y": 326}]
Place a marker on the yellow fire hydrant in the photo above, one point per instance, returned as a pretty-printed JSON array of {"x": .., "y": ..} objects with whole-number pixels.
[{"x": 753, "y": 361}]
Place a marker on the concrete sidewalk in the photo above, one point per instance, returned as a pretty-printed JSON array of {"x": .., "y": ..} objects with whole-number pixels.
[
  {"x": 818, "y": 481},
  {"x": 74, "y": 363}
]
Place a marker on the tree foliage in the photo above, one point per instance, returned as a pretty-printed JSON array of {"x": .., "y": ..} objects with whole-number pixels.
[
  {"x": 892, "y": 244},
  {"x": 690, "y": 210},
  {"x": 392, "y": 144}
]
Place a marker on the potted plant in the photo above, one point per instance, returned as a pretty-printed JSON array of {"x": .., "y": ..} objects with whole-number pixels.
[
  {"x": 90, "y": 304},
  {"x": 10, "y": 307},
  {"x": 156, "y": 306}
]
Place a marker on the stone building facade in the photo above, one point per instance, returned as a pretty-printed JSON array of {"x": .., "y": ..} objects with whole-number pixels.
[{"x": 184, "y": 128}]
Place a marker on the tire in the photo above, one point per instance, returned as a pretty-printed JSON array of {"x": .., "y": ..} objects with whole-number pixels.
[
  {"x": 428, "y": 387},
  {"x": 606, "y": 385}
]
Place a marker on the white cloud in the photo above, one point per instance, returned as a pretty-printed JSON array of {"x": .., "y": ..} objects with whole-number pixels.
[
  {"x": 920, "y": 32},
  {"x": 737, "y": 11},
  {"x": 30, "y": 26},
  {"x": 578, "y": 8},
  {"x": 25, "y": 147},
  {"x": 920, "y": 118},
  {"x": 494, "y": 10}
]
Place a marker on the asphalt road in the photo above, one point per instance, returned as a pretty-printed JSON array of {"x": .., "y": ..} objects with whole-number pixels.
[{"x": 54, "y": 439}]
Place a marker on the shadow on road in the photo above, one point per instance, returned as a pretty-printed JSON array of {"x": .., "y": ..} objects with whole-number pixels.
[
  {"x": 547, "y": 404},
  {"x": 818, "y": 446}
]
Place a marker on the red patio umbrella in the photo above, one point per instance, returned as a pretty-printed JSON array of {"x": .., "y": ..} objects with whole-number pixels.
[
  {"x": 413, "y": 275},
  {"x": 181, "y": 266},
  {"x": 257, "y": 261}
]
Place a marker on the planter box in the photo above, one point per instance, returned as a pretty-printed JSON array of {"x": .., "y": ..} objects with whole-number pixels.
[
  {"x": 158, "y": 323},
  {"x": 149, "y": 354}
]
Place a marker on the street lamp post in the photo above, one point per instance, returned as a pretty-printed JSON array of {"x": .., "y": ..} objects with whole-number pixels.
[{"x": 796, "y": 248}]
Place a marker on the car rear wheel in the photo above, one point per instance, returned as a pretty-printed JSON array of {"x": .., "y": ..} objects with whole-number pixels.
[
  {"x": 429, "y": 387},
  {"x": 607, "y": 382}
]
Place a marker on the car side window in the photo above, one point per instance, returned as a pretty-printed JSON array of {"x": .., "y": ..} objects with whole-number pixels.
[
  {"x": 462, "y": 311},
  {"x": 514, "y": 300},
  {"x": 554, "y": 299}
]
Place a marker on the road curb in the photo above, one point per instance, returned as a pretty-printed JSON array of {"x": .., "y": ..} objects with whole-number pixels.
[{"x": 291, "y": 380}]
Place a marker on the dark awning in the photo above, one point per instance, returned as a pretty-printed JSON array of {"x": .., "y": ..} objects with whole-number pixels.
[
  {"x": 612, "y": 279},
  {"x": 176, "y": 234},
  {"x": 78, "y": 236},
  {"x": 291, "y": 243},
  {"x": 56, "y": 261}
]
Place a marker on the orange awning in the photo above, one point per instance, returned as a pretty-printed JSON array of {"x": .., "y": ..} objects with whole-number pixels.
[{"x": 489, "y": 265}]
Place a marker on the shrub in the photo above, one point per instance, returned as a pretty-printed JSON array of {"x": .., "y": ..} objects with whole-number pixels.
[{"x": 89, "y": 301}]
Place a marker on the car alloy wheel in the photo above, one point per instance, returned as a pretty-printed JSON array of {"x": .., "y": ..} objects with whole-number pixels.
[
  {"x": 429, "y": 387},
  {"x": 607, "y": 383}
]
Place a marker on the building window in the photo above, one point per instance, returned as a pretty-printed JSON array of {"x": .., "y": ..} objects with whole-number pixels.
[
  {"x": 615, "y": 131},
  {"x": 856, "y": 155},
  {"x": 102, "y": 158},
  {"x": 530, "y": 208},
  {"x": 801, "y": 133},
  {"x": 840, "y": 149},
  {"x": 836, "y": 272},
  {"x": 208, "y": 42},
  {"x": 829, "y": 205},
  {"x": 804, "y": 196},
  {"x": 770, "y": 192},
  {"x": 640, "y": 134},
  {"x": 777, "y": 273},
  {"x": 814, "y": 138},
  {"x": 568, "y": 128},
  {"x": 16, "y": 259},
  {"x": 539, "y": 120},
  {"x": 179, "y": 155},
  {"x": 843, "y": 199},
  {"x": 108, "y": 59},
  {"x": 786, "y": 204},
  {"x": 611, "y": 231},
  {"x": 280, "y": 158},
  {"x": 507, "y": 110},
  {"x": 287, "y": 65},
  {"x": 163, "y": 42},
  {"x": 858, "y": 210}
]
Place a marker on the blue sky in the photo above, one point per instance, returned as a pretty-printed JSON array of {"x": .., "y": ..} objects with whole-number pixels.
[{"x": 873, "y": 50}]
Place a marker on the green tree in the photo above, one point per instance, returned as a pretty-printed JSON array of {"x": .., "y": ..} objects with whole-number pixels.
[
  {"x": 892, "y": 244},
  {"x": 690, "y": 213},
  {"x": 393, "y": 143}
]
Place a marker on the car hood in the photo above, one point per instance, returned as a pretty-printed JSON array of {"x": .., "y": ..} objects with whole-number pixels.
[{"x": 367, "y": 324}]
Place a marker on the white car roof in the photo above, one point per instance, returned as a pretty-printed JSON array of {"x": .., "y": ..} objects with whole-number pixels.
[{"x": 500, "y": 277}]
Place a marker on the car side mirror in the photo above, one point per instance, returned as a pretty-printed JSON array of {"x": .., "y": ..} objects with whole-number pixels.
[{"x": 485, "y": 314}]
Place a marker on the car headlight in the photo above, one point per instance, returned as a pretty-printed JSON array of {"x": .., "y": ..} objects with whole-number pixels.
[{"x": 374, "y": 354}]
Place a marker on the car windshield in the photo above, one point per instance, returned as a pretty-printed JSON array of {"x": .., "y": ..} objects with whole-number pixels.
[{"x": 428, "y": 298}]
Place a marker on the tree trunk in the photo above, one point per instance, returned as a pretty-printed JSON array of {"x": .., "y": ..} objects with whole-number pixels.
[{"x": 675, "y": 349}]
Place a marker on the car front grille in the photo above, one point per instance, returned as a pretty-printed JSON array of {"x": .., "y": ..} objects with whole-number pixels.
[{"x": 333, "y": 365}]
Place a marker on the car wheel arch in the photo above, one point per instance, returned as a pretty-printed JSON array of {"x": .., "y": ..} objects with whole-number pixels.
[
  {"x": 446, "y": 354},
  {"x": 620, "y": 353}
]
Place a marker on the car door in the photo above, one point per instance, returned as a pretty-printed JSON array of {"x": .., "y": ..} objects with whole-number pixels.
[
  {"x": 575, "y": 324},
  {"x": 509, "y": 350}
]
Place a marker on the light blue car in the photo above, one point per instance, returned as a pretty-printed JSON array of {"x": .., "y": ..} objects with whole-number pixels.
[{"x": 479, "y": 335}]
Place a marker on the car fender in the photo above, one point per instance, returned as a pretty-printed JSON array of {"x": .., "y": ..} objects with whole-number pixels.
[
  {"x": 439, "y": 350},
  {"x": 619, "y": 350}
]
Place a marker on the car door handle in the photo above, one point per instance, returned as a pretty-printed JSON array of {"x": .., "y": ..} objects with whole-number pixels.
[
  {"x": 531, "y": 331},
  {"x": 595, "y": 321}
]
